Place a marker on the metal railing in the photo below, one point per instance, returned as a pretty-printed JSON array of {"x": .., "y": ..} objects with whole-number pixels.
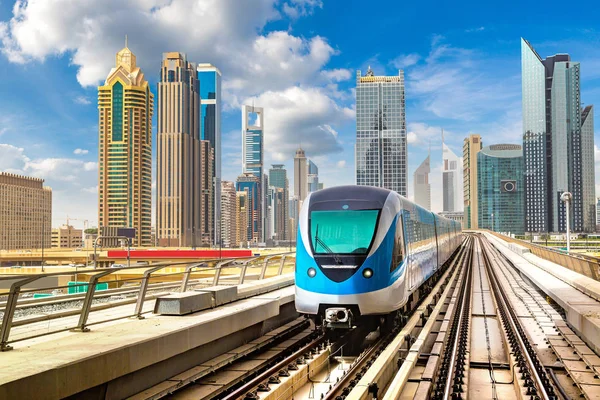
[
  {"x": 582, "y": 264},
  {"x": 217, "y": 267}
]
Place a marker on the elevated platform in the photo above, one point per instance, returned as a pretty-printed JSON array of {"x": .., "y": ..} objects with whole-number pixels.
[
  {"x": 577, "y": 294},
  {"x": 121, "y": 358}
]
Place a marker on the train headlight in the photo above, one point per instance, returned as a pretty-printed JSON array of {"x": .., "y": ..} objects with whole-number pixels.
[
  {"x": 311, "y": 272},
  {"x": 367, "y": 273}
]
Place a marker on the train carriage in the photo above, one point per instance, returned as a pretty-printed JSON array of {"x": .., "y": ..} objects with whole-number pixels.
[{"x": 361, "y": 251}]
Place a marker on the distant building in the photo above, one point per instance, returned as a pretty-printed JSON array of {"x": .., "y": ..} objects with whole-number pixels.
[
  {"x": 451, "y": 180},
  {"x": 381, "y": 147},
  {"x": 558, "y": 143},
  {"x": 229, "y": 214},
  {"x": 25, "y": 212},
  {"x": 67, "y": 237},
  {"x": 471, "y": 146},
  {"x": 457, "y": 216},
  {"x": 209, "y": 78},
  {"x": 250, "y": 183},
  {"x": 206, "y": 230},
  {"x": 279, "y": 181},
  {"x": 313, "y": 177},
  {"x": 300, "y": 176},
  {"x": 500, "y": 191},
  {"x": 598, "y": 215},
  {"x": 294, "y": 209},
  {"x": 178, "y": 172},
  {"x": 125, "y": 107},
  {"x": 253, "y": 158},
  {"x": 421, "y": 184},
  {"x": 89, "y": 239},
  {"x": 321, "y": 186},
  {"x": 242, "y": 218}
]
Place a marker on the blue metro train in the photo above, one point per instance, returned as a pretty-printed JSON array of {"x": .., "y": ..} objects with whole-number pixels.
[{"x": 362, "y": 251}]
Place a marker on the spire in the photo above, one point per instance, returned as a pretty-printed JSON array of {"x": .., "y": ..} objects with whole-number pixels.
[{"x": 442, "y": 137}]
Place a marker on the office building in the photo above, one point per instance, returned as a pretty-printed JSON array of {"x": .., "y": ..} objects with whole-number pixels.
[
  {"x": 471, "y": 146},
  {"x": 67, "y": 237},
  {"x": 500, "y": 191},
  {"x": 421, "y": 184},
  {"x": 25, "y": 212},
  {"x": 313, "y": 177},
  {"x": 451, "y": 180},
  {"x": 229, "y": 214},
  {"x": 209, "y": 77},
  {"x": 598, "y": 215},
  {"x": 125, "y": 107},
  {"x": 300, "y": 177},
  {"x": 294, "y": 211},
  {"x": 457, "y": 216},
  {"x": 253, "y": 157},
  {"x": 251, "y": 184},
  {"x": 207, "y": 194},
  {"x": 281, "y": 194},
  {"x": 242, "y": 218},
  {"x": 178, "y": 172},
  {"x": 558, "y": 143},
  {"x": 381, "y": 148}
]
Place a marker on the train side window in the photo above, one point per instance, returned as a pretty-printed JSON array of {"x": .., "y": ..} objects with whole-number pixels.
[{"x": 399, "y": 250}]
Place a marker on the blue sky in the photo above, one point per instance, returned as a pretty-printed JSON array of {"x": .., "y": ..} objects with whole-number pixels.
[{"x": 295, "y": 58}]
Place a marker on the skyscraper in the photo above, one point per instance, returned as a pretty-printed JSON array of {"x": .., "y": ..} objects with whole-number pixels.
[
  {"x": 209, "y": 77},
  {"x": 242, "y": 220},
  {"x": 421, "y": 184},
  {"x": 251, "y": 184},
  {"x": 381, "y": 149},
  {"x": 253, "y": 157},
  {"x": 229, "y": 214},
  {"x": 500, "y": 194},
  {"x": 278, "y": 180},
  {"x": 451, "y": 180},
  {"x": 207, "y": 194},
  {"x": 125, "y": 106},
  {"x": 313, "y": 177},
  {"x": 471, "y": 147},
  {"x": 179, "y": 173},
  {"x": 558, "y": 143},
  {"x": 300, "y": 176}
]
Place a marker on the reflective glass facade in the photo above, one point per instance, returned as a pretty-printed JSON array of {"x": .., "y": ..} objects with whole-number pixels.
[
  {"x": 500, "y": 191},
  {"x": 253, "y": 155},
  {"x": 313, "y": 177},
  {"x": 381, "y": 153}
]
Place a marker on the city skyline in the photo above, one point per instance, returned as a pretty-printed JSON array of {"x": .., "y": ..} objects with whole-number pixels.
[{"x": 59, "y": 145}]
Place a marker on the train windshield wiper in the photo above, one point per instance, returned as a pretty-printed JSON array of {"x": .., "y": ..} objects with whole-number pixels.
[{"x": 319, "y": 242}]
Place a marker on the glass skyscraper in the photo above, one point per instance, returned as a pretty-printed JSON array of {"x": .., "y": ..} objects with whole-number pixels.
[
  {"x": 253, "y": 155},
  {"x": 280, "y": 201},
  {"x": 558, "y": 144},
  {"x": 500, "y": 191},
  {"x": 209, "y": 78},
  {"x": 313, "y": 177},
  {"x": 381, "y": 154}
]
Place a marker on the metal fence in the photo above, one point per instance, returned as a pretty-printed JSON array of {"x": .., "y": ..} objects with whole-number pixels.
[{"x": 138, "y": 288}]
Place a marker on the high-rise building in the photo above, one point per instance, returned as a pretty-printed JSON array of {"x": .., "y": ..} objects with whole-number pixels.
[
  {"x": 229, "y": 214},
  {"x": 598, "y": 215},
  {"x": 206, "y": 190},
  {"x": 125, "y": 106},
  {"x": 321, "y": 186},
  {"x": 558, "y": 143},
  {"x": 178, "y": 172},
  {"x": 281, "y": 194},
  {"x": 242, "y": 218},
  {"x": 471, "y": 147},
  {"x": 209, "y": 77},
  {"x": 251, "y": 184},
  {"x": 253, "y": 157},
  {"x": 421, "y": 184},
  {"x": 67, "y": 237},
  {"x": 313, "y": 177},
  {"x": 451, "y": 180},
  {"x": 500, "y": 191},
  {"x": 300, "y": 177},
  {"x": 294, "y": 211},
  {"x": 381, "y": 148},
  {"x": 25, "y": 212}
]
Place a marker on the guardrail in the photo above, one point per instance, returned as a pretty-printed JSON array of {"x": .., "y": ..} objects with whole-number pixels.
[
  {"x": 83, "y": 324},
  {"x": 580, "y": 263}
]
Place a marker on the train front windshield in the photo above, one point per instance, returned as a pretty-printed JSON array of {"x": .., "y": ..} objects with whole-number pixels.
[{"x": 342, "y": 231}]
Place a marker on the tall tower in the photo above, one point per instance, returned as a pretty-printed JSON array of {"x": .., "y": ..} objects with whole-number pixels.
[
  {"x": 557, "y": 143},
  {"x": 313, "y": 177},
  {"x": 381, "y": 148},
  {"x": 451, "y": 179},
  {"x": 125, "y": 106},
  {"x": 178, "y": 152},
  {"x": 278, "y": 180},
  {"x": 253, "y": 157},
  {"x": 471, "y": 146},
  {"x": 229, "y": 214},
  {"x": 249, "y": 183},
  {"x": 300, "y": 176},
  {"x": 209, "y": 77},
  {"x": 421, "y": 184}
]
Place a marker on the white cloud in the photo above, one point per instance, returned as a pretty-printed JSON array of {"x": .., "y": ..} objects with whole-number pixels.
[
  {"x": 297, "y": 8},
  {"x": 421, "y": 134},
  {"x": 479, "y": 29},
  {"x": 80, "y": 151},
  {"x": 411, "y": 138},
  {"x": 341, "y": 164},
  {"x": 405, "y": 60},
  {"x": 82, "y": 100},
  {"x": 337, "y": 75},
  {"x": 92, "y": 189}
]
